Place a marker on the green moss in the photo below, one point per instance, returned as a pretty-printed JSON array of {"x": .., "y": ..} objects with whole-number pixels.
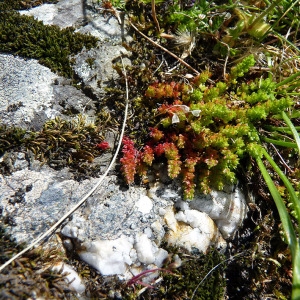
[
  {"x": 60, "y": 143},
  {"x": 183, "y": 282},
  {"x": 90, "y": 61},
  {"x": 30, "y": 275},
  {"x": 52, "y": 46},
  {"x": 11, "y": 138},
  {"x": 192, "y": 272}
]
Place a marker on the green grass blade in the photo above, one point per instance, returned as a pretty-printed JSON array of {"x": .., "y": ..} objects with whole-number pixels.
[
  {"x": 281, "y": 129},
  {"x": 292, "y": 128},
  {"x": 288, "y": 80},
  {"x": 294, "y": 199},
  {"x": 296, "y": 273},
  {"x": 280, "y": 143},
  {"x": 284, "y": 216}
]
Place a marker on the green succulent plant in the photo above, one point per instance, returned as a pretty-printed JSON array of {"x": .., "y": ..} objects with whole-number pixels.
[{"x": 204, "y": 130}]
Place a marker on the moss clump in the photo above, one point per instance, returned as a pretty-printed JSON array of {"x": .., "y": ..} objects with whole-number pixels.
[
  {"x": 52, "y": 46},
  {"x": 11, "y": 138},
  {"x": 60, "y": 143},
  {"x": 30, "y": 276},
  {"x": 184, "y": 282},
  {"x": 192, "y": 272},
  {"x": 58, "y": 138}
]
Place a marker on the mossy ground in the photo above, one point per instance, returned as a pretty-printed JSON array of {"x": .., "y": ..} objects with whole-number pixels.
[
  {"x": 27, "y": 37},
  {"x": 263, "y": 267},
  {"x": 30, "y": 276}
]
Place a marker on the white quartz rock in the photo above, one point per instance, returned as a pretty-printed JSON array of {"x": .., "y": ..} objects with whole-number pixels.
[
  {"x": 195, "y": 219},
  {"x": 160, "y": 256},
  {"x": 109, "y": 257},
  {"x": 228, "y": 210},
  {"x": 70, "y": 231},
  {"x": 158, "y": 230},
  {"x": 144, "y": 249},
  {"x": 123, "y": 255},
  {"x": 144, "y": 204},
  {"x": 148, "y": 252},
  {"x": 72, "y": 277},
  {"x": 192, "y": 229}
]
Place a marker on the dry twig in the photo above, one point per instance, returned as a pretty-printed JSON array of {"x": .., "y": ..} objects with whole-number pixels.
[
  {"x": 154, "y": 15},
  {"x": 164, "y": 49}
]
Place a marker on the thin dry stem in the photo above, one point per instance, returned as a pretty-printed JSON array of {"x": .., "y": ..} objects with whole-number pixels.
[
  {"x": 281, "y": 158},
  {"x": 154, "y": 15},
  {"x": 166, "y": 50},
  {"x": 226, "y": 59}
]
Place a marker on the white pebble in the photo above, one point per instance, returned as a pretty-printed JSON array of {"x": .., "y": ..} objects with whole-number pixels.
[{"x": 72, "y": 277}]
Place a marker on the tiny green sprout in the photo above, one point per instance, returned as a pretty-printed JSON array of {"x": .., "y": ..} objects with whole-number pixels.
[{"x": 241, "y": 68}]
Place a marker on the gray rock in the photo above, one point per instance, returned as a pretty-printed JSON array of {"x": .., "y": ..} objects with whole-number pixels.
[
  {"x": 65, "y": 13},
  {"x": 29, "y": 96},
  {"x": 100, "y": 74},
  {"x": 23, "y": 84},
  {"x": 52, "y": 193}
]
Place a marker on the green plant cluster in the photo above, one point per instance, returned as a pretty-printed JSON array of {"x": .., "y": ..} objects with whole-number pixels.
[
  {"x": 203, "y": 130},
  {"x": 60, "y": 142},
  {"x": 196, "y": 17},
  {"x": 28, "y": 37}
]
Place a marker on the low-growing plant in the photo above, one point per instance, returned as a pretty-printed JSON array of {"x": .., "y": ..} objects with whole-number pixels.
[
  {"x": 289, "y": 206},
  {"x": 203, "y": 130},
  {"x": 60, "y": 142}
]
